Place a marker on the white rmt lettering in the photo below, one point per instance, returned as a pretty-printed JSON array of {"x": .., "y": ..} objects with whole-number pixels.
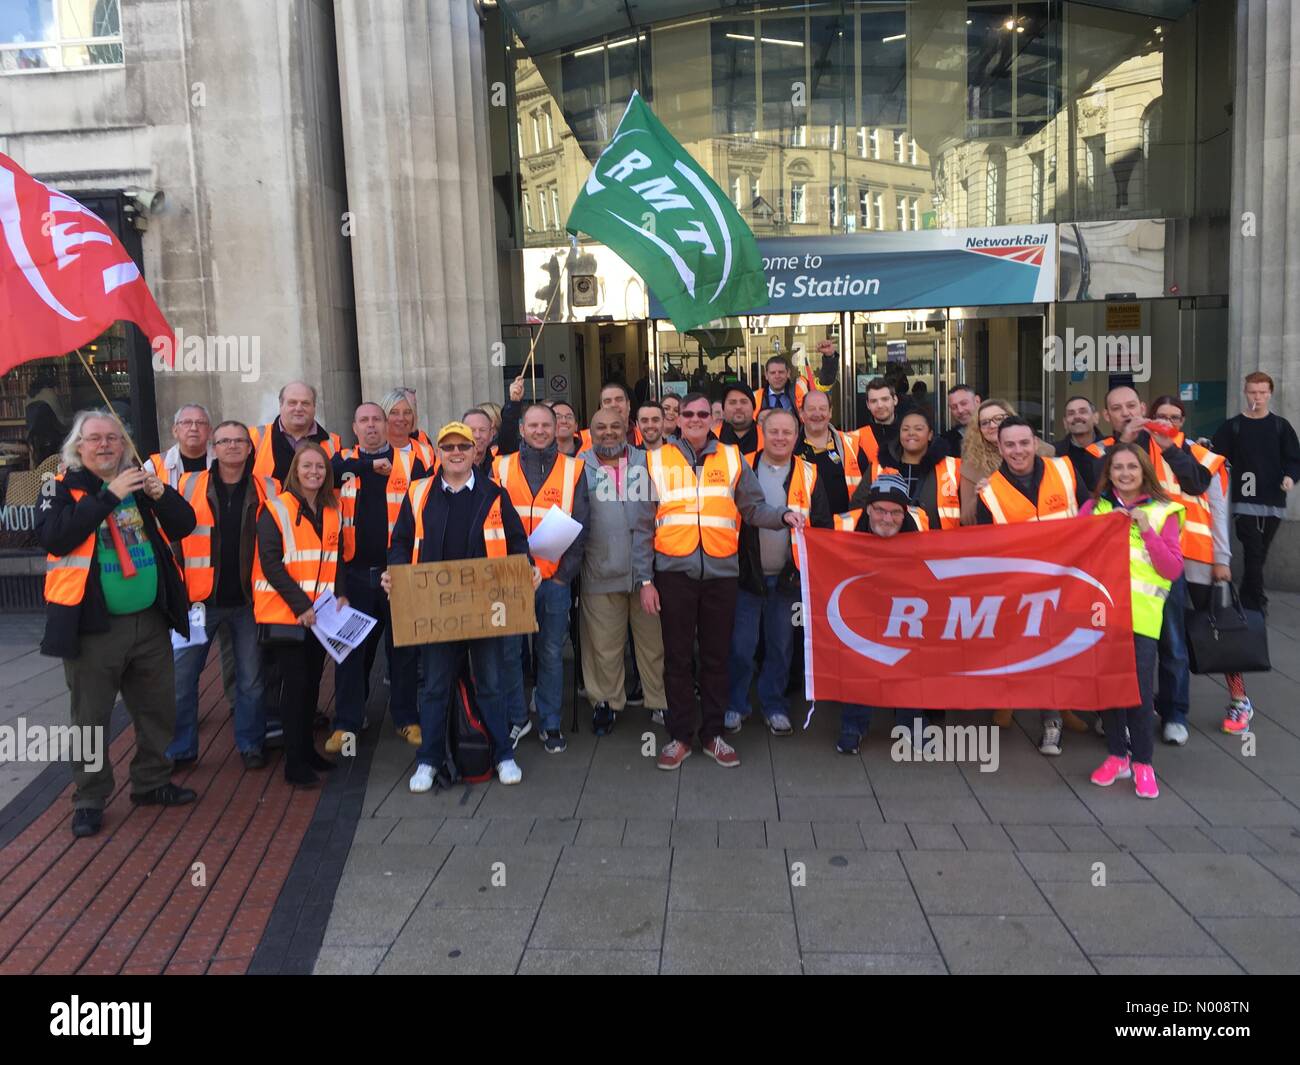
[
  {"x": 906, "y": 611},
  {"x": 625, "y": 167},
  {"x": 983, "y": 619},
  {"x": 1037, "y": 601},
  {"x": 661, "y": 194}
]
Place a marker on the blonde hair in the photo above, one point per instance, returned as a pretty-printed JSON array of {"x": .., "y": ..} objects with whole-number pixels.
[
  {"x": 69, "y": 455},
  {"x": 978, "y": 456}
]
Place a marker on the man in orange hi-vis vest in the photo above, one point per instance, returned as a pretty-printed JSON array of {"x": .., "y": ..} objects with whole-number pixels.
[
  {"x": 538, "y": 478},
  {"x": 457, "y": 514},
  {"x": 374, "y": 477},
  {"x": 1029, "y": 488},
  {"x": 112, "y": 592},
  {"x": 274, "y": 444},
  {"x": 703, "y": 489}
]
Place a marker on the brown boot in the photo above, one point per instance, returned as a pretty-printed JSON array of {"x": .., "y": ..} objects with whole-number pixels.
[
  {"x": 1074, "y": 722},
  {"x": 1002, "y": 718}
]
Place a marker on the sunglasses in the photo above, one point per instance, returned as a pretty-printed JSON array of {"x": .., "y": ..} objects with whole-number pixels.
[
  {"x": 695, "y": 414},
  {"x": 455, "y": 447}
]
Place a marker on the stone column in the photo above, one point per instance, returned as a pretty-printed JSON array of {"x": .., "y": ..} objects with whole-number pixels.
[
  {"x": 1264, "y": 272},
  {"x": 415, "y": 100}
]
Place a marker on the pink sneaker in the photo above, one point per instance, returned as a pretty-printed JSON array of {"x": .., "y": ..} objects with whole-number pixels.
[
  {"x": 1144, "y": 781},
  {"x": 1112, "y": 769}
]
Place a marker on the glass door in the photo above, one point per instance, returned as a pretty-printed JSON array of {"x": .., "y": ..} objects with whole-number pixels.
[
  {"x": 998, "y": 351},
  {"x": 907, "y": 348}
]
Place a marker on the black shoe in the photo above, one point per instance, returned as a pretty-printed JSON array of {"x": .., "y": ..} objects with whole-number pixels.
[
  {"x": 253, "y": 759},
  {"x": 552, "y": 742},
  {"x": 848, "y": 743},
  {"x": 602, "y": 720},
  {"x": 87, "y": 821},
  {"x": 274, "y": 735},
  {"x": 319, "y": 763},
  {"x": 183, "y": 763},
  {"x": 301, "y": 777},
  {"x": 167, "y": 795},
  {"x": 444, "y": 778}
]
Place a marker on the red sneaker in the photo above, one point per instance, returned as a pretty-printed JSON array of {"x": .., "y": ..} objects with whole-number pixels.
[
  {"x": 1144, "y": 781},
  {"x": 722, "y": 752},
  {"x": 672, "y": 755},
  {"x": 1112, "y": 769}
]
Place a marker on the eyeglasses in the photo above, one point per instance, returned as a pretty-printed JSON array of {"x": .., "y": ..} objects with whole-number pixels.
[
  {"x": 565, "y": 417},
  {"x": 231, "y": 441},
  {"x": 1174, "y": 417},
  {"x": 695, "y": 414},
  {"x": 455, "y": 447},
  {"x": 106, "y": 438},
  {"x": 997, "y": 420},
  {"x": 192, "y": 423}
]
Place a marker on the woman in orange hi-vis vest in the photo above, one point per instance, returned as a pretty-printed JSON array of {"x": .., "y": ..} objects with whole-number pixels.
[{"x": 297, "y": 560}]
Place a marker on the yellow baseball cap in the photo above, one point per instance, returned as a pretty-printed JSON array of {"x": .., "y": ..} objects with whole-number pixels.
[{"x": 455, "y": 429}]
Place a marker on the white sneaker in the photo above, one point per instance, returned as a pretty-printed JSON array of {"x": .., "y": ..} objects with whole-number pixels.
[
  {"x": 1175, "y": 733},
  {"x": 508, "y": 772},
  {"x": 422, "y": 780},
  {"x": 1051, "y": 744}
]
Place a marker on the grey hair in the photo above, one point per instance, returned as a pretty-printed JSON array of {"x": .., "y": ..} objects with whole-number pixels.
[
  {"x": 176, "y": 418},
  {"x": 309, "y": 388},
  {"x": 69, "y": 455},
  {"x": 395, "y": 396}
]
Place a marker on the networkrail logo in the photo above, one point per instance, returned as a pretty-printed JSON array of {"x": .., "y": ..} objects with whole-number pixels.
[{"x": 1020, "y": 249}]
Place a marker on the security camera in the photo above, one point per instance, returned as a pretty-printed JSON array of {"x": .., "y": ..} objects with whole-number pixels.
[{"x": 146, "y": 201}]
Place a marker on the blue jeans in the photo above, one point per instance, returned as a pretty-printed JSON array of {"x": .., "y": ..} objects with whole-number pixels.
[
  {"x": 775, "y": 613},
  {"x": 250, "y": 714},
  {"x": 855, "y": 719},
  {"x": 440, "y": 665},
  {"x": 552, "y": 604},
  {"x": 1173, "y": 689}
]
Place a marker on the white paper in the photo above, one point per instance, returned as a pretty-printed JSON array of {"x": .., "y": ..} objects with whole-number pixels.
[
  {"x": 198, "y": 630},
  {"x": 553, "y": 535},
  {"x": 340, "y": 629}
]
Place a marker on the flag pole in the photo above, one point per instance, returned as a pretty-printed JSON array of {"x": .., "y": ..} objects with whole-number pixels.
[
  {"x": 109, "y": 406},
  {"x": 532, "y": 348}
]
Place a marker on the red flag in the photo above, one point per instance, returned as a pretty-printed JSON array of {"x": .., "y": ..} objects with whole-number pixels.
[
  {"x": 1029, "y": 617},
  {"x": 64, "y": 275}
]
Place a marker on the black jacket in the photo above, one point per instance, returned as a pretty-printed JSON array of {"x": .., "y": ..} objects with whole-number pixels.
[
  {"x": 750, "y": 554},
  {"x": 435, "y": 521},
  {"x": 62, "y": 525},
  {"x": 926, "y": 489}
]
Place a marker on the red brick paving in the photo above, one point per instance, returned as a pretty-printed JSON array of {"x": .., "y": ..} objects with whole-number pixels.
[{"x": 125, "y": 901}]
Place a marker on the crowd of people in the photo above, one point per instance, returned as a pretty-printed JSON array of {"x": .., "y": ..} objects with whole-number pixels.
[{"x": 686, "y": 508}]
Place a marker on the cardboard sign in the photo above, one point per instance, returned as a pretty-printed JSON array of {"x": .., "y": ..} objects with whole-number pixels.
[{"x": 438, "y": 602}]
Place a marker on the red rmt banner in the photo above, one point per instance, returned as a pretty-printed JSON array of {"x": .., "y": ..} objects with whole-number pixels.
[
  {"x": 64, "y": 275},
  {"x": 1034, "y": 616}
]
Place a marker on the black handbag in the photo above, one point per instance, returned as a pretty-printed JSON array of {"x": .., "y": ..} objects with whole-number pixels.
[
  {"x": 281, "y": 634},
  {"x": 1226, "y": 637}
]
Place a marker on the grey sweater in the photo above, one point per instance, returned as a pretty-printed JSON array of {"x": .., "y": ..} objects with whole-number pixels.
[
  {"x": 750, "y": 501},
  {"x": 607, "y": 562}
]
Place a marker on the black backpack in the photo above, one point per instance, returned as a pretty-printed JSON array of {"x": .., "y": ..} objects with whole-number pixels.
[{"x": 469, "y": 746}]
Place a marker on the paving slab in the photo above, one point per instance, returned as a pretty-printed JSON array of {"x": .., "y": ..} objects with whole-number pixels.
[
  {"x": 1223, "y": 885},
  {"x": 1261, "y": 945},
  {"x": 730, "y": 943},
  {"x": 443, "y": 942},
  {"x": 726, "y": 881},
  {"x": 1022, "y": 945},
  {"x": 1127, "y": 918},
  {"x": 589, "y": 962},
  {"x": 817, "y": 963},
  {"x": 973, "y": 882}
]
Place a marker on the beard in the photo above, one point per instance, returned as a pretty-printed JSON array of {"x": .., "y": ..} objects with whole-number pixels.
[{"x": 608, "y": 451}]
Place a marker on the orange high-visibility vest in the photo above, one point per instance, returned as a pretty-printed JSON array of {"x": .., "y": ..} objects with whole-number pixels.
[
  {"x": 494, "y": 529},
  {"x": 66, "y": 575},
  {"x": 311, "y": 561},
  {"x": 847, "y": 446},
  {"x": 1055, "y": 496},
  {"x": 196, "y": 549},
  {"x": 695, "y": 512},
  {"x": 558, "y": 490},
  {"x": 800, "y": 390},
  {"x": 264, "y": 452},
  {"x": 399, "y": 480},
  {"x": 1197, "y": 536},
  {"x": 866, "y": 438},
  {"x": 947, "y": 492}
]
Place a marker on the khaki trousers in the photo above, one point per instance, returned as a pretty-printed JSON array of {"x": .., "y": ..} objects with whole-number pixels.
[
  {"x": 133, "y": 657},
  {"x": 604, "y": 620}
]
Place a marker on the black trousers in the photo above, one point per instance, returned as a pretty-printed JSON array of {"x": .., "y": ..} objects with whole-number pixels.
[
  {"x": 301, "y": 666},
  {"x": 691, "y": 609},
  {"x": 1256, "y": 535}
]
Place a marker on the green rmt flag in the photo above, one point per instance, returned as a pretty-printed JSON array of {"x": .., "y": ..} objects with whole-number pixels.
[{"x": 654, "y": 205}]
